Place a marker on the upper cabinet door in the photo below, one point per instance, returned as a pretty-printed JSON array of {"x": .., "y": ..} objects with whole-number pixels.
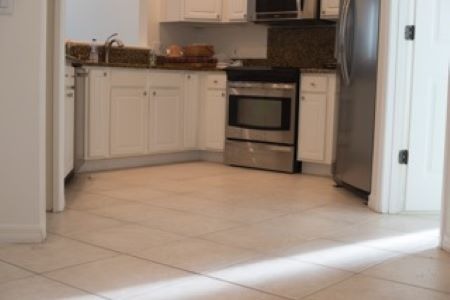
[
  {"x": 236, "y": 10},
  {"x": 203, "y": 10},
  {"x": 330, "y": 9}
]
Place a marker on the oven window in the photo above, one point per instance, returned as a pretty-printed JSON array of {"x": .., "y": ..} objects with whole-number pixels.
[{"x": 260, "y": 113}]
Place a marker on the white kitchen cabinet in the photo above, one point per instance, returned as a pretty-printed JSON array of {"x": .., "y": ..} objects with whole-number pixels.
[
  {"x": 191, "y": 110},
  {"x": 329, "y": 9},
  {"x": 214, "y": 122},
  {"x": 313, "y": 115},
  {"x": 129, "y": 113},
  {"x": 203, "y": 10},
  {"x": 166, "y": 112},
  {"x": 317, "y": 119},
  {"x": 98, "y": 114},
  {"x": 235, "y": 10},
  {"x": 210, "y": 11},
  {"x": 69, "y": 120}
]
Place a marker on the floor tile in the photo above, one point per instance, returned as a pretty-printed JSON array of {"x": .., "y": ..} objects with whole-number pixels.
[
  {"x": 71, "y": 222},
  {"x": 140, "y": 193},
  {"x": 40, "y": 288},
  {"x": 80, "y": 200},
  {"x": 346, "y": 213},
  {"x": 282, "y": 277},
  {"x": 120, "y": 277},
  {"x": 361, "y": 287},
  {"x": 307, "y": 225},
  {"x": 218, "y": 208},
  {"x": 127, "y": 238},
  {"x": 338, "y": 255},
  {"x": 186, "y": 223},
  {"x": 259, "y": 237},
  {"x": 386, "y": 239},
  {"x": 197, "y": 255},
  {"x": 9, "y": 273},
  {"x": 55, "y": 253},
  {"x": 203, "y": 288},
  {"x": 410, "y": 224},
  {"x": 422, "y": 272}
]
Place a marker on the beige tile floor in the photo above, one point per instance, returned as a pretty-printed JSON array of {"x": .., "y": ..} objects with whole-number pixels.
[{"x": 204, "y": 231}]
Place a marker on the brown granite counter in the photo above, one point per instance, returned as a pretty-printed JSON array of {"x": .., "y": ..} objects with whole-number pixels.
[{"x": 318, "y": 70}]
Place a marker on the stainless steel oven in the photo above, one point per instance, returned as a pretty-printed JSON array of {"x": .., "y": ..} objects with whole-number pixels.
[
  {"x": 262, "y": 116},
  {"x": 262, "y": 112}
]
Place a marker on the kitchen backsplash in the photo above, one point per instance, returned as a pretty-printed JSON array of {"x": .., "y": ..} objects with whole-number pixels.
[{"x": 304, "y": 47}]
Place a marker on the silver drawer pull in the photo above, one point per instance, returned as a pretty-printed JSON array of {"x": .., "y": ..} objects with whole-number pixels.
[{"x": 69, "y": 95}]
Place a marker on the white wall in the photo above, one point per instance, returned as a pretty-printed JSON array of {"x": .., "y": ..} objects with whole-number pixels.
[
  {"x": 88, "y": 19},
  {"x": 237, "y": 41},
  {"x": 22, "y": 122}
]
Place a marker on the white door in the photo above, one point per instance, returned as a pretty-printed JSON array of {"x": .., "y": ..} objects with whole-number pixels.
[
  {"x": 98, "y": 115},
  {"x": 203, "y": 10},
  {"x": 428, "y": 107},
  {"x": 191, "y": 110},
  {"x": 166, "y": 120},
  {"x": 313, "y": 127},
  {"x": 129, "y": 117},
  {"x": 236, "y": 10},
  {"x": 215, "y": 110}
]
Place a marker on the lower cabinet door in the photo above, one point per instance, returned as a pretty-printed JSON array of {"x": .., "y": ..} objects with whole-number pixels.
[
  {"x": 69, "y": 136},
  {"x": 129, "y": 116},
  {"x": 313, "y": 127},
  {"x": 166, "y": 120},
  {"x": 215, "y": 111}
]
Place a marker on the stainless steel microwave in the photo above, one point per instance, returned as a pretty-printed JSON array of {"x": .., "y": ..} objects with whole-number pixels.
[{"x": 284, "y": 10}]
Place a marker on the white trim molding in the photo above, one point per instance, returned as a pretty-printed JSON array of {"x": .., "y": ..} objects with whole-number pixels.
[
  {"x": 392, "y": 115},
  {"x": 445, "y": 229},
  {"x": 22, "y": 234}
]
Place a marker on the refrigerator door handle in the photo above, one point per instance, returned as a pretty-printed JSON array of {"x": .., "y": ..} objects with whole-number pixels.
[{"x": 343, "y": 36}]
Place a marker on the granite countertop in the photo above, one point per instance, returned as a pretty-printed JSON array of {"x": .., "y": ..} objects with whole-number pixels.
[{"x": 318, "y": 70}]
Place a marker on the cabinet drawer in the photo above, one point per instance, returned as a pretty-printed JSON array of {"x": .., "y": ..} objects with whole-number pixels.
[
  {"x": 314, "y": 83},
  {"x": 129, "y": 78},
  {"x": 166, "y": 79},
  {"x": 218, "y": 81}
]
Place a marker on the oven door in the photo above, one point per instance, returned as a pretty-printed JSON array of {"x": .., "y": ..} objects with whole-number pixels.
[{"x": 262, "y": 112}]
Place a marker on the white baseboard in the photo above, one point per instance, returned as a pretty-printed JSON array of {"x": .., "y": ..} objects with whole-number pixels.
[
  {"x": 317, "y": 169},
  {"x": 142, "y": 161},
  {"x": 211, "y": 156},
  {"x": 21, "y": 234}
]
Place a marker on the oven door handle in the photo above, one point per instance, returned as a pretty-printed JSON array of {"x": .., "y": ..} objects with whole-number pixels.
[{"x": 267, "y": 86}]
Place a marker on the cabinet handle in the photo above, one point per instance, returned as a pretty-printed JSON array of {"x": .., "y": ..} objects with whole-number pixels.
[
  {"x": 223, "y": 95},
  {"x": 154, "y": 93},
  {"x": 218, "y": 16},
  {"x": 303, "y": 98},
  {"x": 105, "y": 74},
  {"x": 145, "y": 94},
  {"x": 313, "y": 84},
  {"x": 69, "y": 95},
  {"x": 216, "y": 82},
  {"x": 189, "y": 77}
]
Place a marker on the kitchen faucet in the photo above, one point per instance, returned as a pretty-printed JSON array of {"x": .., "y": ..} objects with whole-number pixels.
[{"x": 110, "y": 41}]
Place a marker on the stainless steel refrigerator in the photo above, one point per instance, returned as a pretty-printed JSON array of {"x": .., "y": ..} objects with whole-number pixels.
[{"x": 357, "y": 53}]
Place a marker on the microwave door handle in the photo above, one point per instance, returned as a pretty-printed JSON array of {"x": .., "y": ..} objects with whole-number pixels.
[{"x": 343, "y": 36}]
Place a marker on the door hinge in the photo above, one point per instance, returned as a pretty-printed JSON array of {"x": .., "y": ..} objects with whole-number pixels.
[
  {"x": 403, "y": 157},
  {"x": 410, "y": 32}
]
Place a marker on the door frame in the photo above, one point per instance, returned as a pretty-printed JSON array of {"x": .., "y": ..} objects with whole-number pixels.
[
  {"x": 392, "y": 117},
  {"x": 445, "y": 232},
  {"x": 59, "y": 57}
]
